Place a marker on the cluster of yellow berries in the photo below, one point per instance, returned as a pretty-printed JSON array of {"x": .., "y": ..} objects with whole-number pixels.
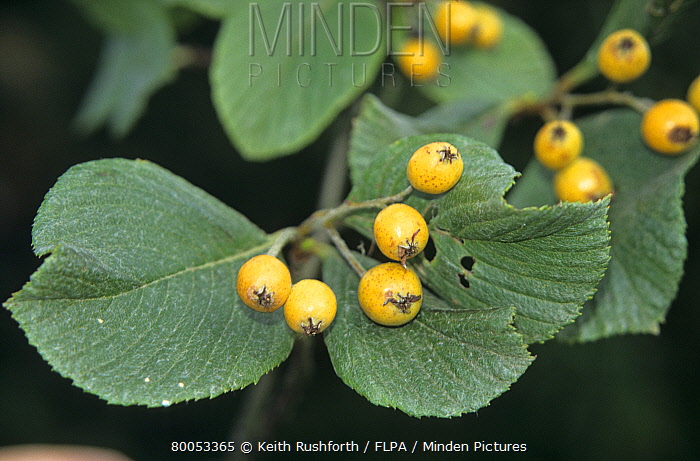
[
  {"x": 264, "y": 284},
  {"x": 461, "y": 23},
  {"x": 669, "y": 126},
  {"x": 458, "y": 23},
  {"x": 558, "y": 145},
  {"x": 391, "y": 293}
]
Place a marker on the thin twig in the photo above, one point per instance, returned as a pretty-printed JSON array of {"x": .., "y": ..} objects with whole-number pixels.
[
  {"x": 608, "y": 97},
  {"x": 283, "y": 236},
  {"x": 345, "y": 251},
  {"x": 330, "y": 216}
]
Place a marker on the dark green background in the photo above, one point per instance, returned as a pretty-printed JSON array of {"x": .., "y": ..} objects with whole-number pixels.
[{"x": 627, "y": 397}]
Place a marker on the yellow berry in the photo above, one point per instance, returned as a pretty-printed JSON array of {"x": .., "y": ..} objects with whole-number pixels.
[
  {"x": 584, "y": 180},
  {"x": 263, "y": 283},
  {"x": 488, "y": 29},
  {"x": 670, "y": 126},
  {"x": 558, "y": 143},
  {"x": 419, "y": 59},
  {"x": 435, "y": 168},
  {"x": 400, "y": 232},
  {"x": 624, "y": 56},
  {"x": 390, "y": 294},
  {"x": 311, "y": 307},
  {"x": 455, "y": 21},
  {"x": 694, "y": 94}
]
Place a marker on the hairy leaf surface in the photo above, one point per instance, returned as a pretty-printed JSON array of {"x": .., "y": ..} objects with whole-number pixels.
[
  {"x": 647, "y": 226},
  {"x": 136, "y": 301},
  {"x": 446, "y": 362}
]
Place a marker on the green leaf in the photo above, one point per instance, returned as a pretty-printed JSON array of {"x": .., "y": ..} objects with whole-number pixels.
[
  {"x": 137, "y": 301},
  {"x": 535, "y": 187},
  {"x": 544, "y": 261},
  {"x": 277, "y": 83},
  {"x": 446, "y": 362},
  {"x": 479, "y": 119},
  {"x": 215, "y": 9},
  {"x": 646, "y": 223},
  {"x": 519, "y": 66},
  {"x": 624, "y": 14},
  {"x": 136, "y": 61},
  {"x": 376, "y": 126},
  {"x": 379, "y": 125}
]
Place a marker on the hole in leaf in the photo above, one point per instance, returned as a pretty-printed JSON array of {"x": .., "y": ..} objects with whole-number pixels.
[
  {"x": 463, "y": 280},
  {"x": 430, "y": 251},
  {"x": 467, "y": 262}
]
